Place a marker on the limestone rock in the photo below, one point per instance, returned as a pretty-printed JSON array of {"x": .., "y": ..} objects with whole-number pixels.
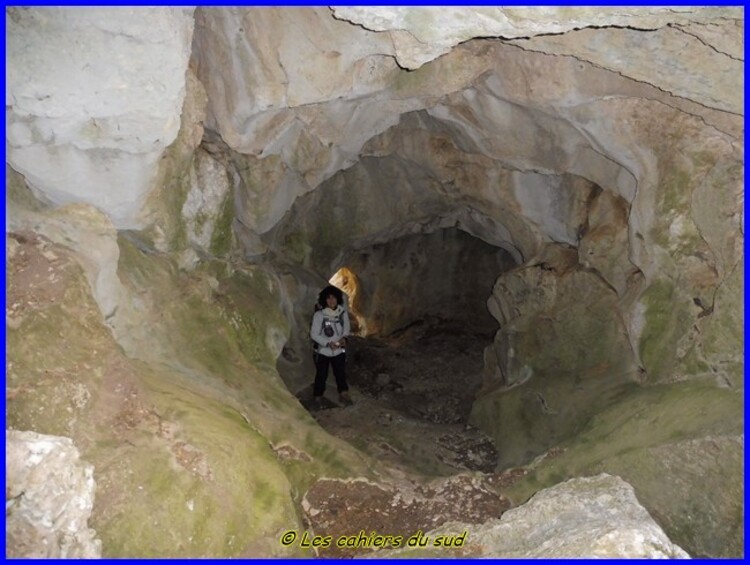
[
  {"x": 502, "y": 106},
  {"x": 608, "y": 163},
  {"x": 683, "y": 268},
  {"x": 593, "y": 517},
  {"x": 556, "y": 204},
  {"x": 206, "y": 198},
  {"x": 397, "y": 189},
  {"x": 424, "y": 33},
  {"x": 701, "y": 507},
  {"x": 681, "y": 448},
  {"x": 163, "y": 212},
  {"x": 89, "y": 233},
  {"x": 268, "y": 187},
  {"x": 604, "y": 244},
  {"x": 283, "y": 58},
  {"x": 94, "y": 97},
  {"x": 556, "y": 359},
  {"x": 529, "y": 301},
  {"x": 188, "y": 411},
  {"x": 674, "y": 58},
  {"x": 49, "y": 494}
]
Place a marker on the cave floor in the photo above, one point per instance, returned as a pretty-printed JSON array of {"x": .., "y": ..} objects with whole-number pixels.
[{"x": 412, "y": 395}]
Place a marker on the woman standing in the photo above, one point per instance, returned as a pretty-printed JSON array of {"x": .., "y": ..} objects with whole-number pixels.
[{"x": 329, "y": 329}]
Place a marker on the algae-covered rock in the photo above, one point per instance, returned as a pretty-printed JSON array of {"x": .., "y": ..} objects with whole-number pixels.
[
  {"x": 561, "y": 355},
  {"x": 156, "y": 351},
  {"x": 207, "y": 203},
  {"x": 679, "y": 445},
  {"x": 165, "y": 227},
  {"x": 666, "y": 314},
  {"x": 191, "y": 478},
  {"x": 155, "y": 445},
  {"x": 700, "y": 504},
  {"x": 182, "y": 446},
  {"x": 685, "y": 236},
  {"x": 689, "y": 316}
]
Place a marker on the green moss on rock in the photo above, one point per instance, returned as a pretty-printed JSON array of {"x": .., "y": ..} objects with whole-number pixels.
[
  {"x": 678, "y": 445},
  {"x": 203, "y": 484},
  {"x": 18, "y": 193},
  {"x": 667, "y": 317},
  {"x": 181, "y": 438},
  {"x": 722, "y": 333},
  {"x": 221, "y": 238}
]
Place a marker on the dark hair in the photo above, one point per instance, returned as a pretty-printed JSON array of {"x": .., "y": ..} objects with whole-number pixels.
[{"x": 330, "y": 290}]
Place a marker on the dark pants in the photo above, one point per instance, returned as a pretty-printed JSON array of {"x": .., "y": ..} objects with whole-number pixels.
[{"x": 321, "y": 373}]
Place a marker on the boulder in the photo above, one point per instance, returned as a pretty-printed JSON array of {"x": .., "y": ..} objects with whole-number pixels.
[
  {"x": 589, "y": 517},
  {"x": 49, "y": 495}
]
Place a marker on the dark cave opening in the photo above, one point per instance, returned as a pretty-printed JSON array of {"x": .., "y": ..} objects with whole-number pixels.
[{"x": 420, "y": 324}]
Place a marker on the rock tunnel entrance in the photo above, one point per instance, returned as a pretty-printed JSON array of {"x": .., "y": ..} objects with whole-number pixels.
[
  {"x": 415, "y": 363},
  {"x": 447, "y": 274}
]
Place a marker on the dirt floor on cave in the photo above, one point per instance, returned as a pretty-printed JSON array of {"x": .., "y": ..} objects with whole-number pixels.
[{"x": 412, "y": 395}]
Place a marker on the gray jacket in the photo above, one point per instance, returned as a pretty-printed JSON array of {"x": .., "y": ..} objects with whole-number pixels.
[{"x": 338, "y": 321}]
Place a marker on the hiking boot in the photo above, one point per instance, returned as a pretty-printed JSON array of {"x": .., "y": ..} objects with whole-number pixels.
[
  {"x": 317, "y": 403},
  {"x": 345, "y": 399}
]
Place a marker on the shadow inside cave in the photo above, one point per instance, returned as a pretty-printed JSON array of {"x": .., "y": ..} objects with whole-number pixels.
[{"x": 413, "y": 392}]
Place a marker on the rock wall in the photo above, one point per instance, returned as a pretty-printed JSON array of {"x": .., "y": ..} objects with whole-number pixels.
[
  {"x": 422, "y": 34},
  {"x": 559, "y": 357},
  {"x": 662, "y": 281},
  {"x": 679, "y": 445},
  {"x": 95, "y": 97}
]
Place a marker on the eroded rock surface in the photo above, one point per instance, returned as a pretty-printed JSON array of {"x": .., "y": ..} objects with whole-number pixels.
[
  {"x": 705, "y": 68},
  {"x": 422, "y": 34},
  {"x": 556, "y": 360},
  {"x": 153, "y": 431},
  {"x": 662, "y": 439},
  {"x": 49, "y": 495},
  {"x": 95, "y": 97},
  {"x": 595, "y": 517}
]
